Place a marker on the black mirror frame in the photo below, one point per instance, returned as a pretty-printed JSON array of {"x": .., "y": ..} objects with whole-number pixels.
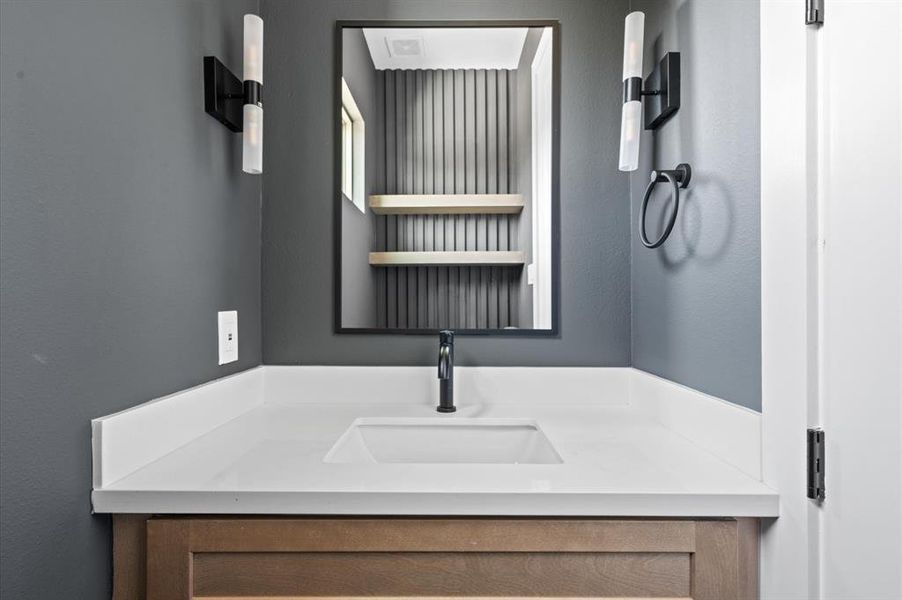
[{"x": 554, "y": 331}]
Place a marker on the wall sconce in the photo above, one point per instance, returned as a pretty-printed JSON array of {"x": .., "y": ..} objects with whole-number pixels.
[
  {"x": 239, "y": 105},
  {"x": 661, "y": 91}
]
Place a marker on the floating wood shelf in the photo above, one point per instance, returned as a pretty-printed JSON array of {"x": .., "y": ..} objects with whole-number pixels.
[
  {"x": 447, "y": 204},
  {"x": 447, "y": 258}
]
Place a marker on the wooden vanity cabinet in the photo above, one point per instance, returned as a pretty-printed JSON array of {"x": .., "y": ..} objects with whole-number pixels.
[{"x": 177, "y": 558}]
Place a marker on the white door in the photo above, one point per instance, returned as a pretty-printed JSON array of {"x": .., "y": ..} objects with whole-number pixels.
[
  {"x": 832, "y": 296},
  {"x": 861, "y": 273}
]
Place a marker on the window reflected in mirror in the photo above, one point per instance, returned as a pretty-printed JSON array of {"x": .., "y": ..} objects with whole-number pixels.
[{"x": 353, "y": 149}]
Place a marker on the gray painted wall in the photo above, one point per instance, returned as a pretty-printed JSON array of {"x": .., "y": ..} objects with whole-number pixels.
[
  {"x": 358, "y": 279},
  {"x": 125, "y": 224},
  {"x": 696, "y": 301},
  {"x": 297, "y": 221},
  {"x": 448, "y": 132}
]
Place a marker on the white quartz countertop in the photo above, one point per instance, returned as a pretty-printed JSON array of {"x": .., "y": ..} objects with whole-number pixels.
[{"x": 617, "y": 461}]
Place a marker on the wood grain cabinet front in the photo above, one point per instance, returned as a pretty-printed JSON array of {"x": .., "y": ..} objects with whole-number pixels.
[{"x": 172, "y": 558}]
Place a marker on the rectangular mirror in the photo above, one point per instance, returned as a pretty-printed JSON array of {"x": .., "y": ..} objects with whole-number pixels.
[{"x": 447, "y": 177}]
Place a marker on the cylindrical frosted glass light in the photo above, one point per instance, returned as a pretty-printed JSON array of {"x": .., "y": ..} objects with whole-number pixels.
[
  {"x": 253, "y": 48},
  {"x": 633, "y": 38},
  {"x": 252, "y": 159},
  {"x": 629, "y": 135}
]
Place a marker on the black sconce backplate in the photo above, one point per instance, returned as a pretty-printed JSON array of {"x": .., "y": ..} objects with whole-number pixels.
[
  {"x": 661, "y": 91},
  {"x": 223, "y": 94}
]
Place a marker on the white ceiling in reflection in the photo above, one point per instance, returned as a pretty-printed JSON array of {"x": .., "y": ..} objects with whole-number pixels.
[{"x": 445, "y": 47}]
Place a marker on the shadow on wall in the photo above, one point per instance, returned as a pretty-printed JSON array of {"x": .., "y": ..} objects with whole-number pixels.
[{"x": 707, "y": 197}]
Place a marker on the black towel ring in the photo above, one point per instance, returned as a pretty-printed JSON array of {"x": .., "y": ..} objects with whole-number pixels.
[{"x": 678, "y": 178}]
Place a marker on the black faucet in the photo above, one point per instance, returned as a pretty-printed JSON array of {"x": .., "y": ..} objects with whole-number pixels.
[{"x": 446, "y": 371}]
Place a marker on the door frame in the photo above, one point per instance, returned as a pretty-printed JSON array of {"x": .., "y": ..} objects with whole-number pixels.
[
  {"x": 817, "y": 238},
  {"x": 789, "y": 302}
]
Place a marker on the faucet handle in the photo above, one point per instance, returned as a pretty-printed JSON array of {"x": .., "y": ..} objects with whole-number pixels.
[{"x": 445, "y": 336}]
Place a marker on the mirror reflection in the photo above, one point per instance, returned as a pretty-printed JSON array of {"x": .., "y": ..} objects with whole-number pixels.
[{"x": 446, "y": 178}]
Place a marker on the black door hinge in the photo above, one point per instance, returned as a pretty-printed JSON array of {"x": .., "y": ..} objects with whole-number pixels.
[
  {"x": 816, "y": 464},
  {"x": 814, "y": 12}
]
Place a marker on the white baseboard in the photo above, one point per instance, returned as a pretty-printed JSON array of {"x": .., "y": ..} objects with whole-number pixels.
[{"x": 730, "y": 431}]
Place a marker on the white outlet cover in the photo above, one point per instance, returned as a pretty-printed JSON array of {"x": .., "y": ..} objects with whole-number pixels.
[
  {"x": 531, "y": 274},
  {"x": 228, "y": 336}
]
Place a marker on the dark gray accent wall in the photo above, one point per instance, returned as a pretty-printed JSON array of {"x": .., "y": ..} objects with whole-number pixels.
[
  {"x": 448, "y": 132},
  {"x": 358, "y": 279},
  {"x": 125, "y": 224},
  {"x": 299, "y": 183},
  {"x": 696, "y": 301}
]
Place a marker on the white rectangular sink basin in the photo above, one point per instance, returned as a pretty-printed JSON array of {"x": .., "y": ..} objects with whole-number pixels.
[{"x": 443, "y": 441}]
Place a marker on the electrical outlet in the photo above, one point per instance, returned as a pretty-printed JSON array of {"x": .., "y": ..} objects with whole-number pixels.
[{"x": 228, "y": 336}]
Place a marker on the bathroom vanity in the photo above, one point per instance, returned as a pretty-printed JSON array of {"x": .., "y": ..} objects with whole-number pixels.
[
  {"x": 287, "y": 557},
  {"x": 556, "y": 482}
]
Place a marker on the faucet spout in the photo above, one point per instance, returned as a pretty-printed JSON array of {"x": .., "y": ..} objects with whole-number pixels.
[
  {"x": 444, "y": 362},
  {"x": 446, "y": 372}
]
